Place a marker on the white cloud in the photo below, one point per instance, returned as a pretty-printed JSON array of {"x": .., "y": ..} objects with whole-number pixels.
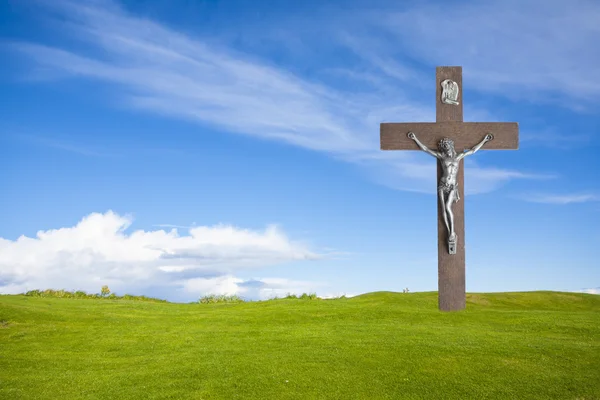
[
  {"x": 98, "y": 251},
  {"x": 590, "y": 290},
  {"x": 259, "y": 289},
  {"x": 561, "y": 199},
  {"x": 160, "y": 70},
  {"x": 268, "y": 288},
  {"x": 227, "y": 285},
  {"x": 280, "y": 287},
  {"x": 336, "y": 295}
]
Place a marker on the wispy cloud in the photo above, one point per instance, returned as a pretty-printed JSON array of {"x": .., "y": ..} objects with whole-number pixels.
[
  {"x": 559, "y": 199},
  {"x": 483, "y": 180},
  {"x": 160, "y": 70},
  {"x": 553, "y": 139},
  {"x": 514, "y": 48},
  {"x": 98, "y": 250},
  {"x": 77, "y": 148},
  {"x": 420, "y": 175}
]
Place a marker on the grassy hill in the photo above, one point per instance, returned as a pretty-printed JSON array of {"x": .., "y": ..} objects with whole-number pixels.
[{"x": 535, "y": 345}]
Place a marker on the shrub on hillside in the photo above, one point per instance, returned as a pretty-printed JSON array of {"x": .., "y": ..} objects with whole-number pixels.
[
  {"x": 303, "y": 296},
  {"x": 105, "y": 291},
  {"x": 80, "y": 294},
  {"x": 220, "y": 299}
]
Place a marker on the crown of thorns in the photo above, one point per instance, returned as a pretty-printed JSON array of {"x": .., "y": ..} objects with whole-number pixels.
[{"x": 446, "y": 143}]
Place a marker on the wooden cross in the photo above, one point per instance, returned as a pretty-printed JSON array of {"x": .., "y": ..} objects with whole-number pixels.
[{"x": 449, "y": 123}]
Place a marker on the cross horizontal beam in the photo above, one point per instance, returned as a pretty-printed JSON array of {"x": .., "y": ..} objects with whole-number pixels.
[{"x": 465, "y": 134}]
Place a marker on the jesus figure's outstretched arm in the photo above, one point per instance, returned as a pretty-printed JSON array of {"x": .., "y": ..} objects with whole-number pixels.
[
  {"x": 475, "y": 148},
  {"x": 422, "y": 146}
]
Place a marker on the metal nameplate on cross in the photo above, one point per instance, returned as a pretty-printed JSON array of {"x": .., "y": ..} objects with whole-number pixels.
[{"x": 449, "y": 140}]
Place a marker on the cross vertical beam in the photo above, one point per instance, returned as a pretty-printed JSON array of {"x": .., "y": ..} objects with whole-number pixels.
[{"x": 451, "y": 267}]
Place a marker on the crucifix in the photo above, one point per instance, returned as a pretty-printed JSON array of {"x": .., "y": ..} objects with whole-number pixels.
[{"x": 449, "y": 139}]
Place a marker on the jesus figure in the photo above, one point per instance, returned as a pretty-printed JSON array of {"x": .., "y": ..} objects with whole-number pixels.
[{"x": 448, "y": 186}]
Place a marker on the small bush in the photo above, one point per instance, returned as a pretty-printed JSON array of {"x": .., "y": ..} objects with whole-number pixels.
[
  {"x": 80, "y": 294},
  {"x": 303, "y": 296},
  {"x": 220, "y": 299}
]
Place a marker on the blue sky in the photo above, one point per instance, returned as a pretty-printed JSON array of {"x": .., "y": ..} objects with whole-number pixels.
[{"x": 180, "y": 148}]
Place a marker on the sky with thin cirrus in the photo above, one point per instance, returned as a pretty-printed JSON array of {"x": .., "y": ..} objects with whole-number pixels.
[{"x": 178, "y": 149}]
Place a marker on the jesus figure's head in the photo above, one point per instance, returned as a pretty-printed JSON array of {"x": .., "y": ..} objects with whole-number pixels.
[{"x": 446, "y": 146}]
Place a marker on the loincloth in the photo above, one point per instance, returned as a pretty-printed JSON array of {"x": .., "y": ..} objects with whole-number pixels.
[{"x": 448, "y": 188}]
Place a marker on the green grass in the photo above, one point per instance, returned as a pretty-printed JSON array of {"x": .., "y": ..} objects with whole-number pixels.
[{"x": 536, "y": 345}]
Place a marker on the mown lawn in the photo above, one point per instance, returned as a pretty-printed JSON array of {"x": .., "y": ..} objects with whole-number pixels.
[{"x": 536, "y": 345}]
